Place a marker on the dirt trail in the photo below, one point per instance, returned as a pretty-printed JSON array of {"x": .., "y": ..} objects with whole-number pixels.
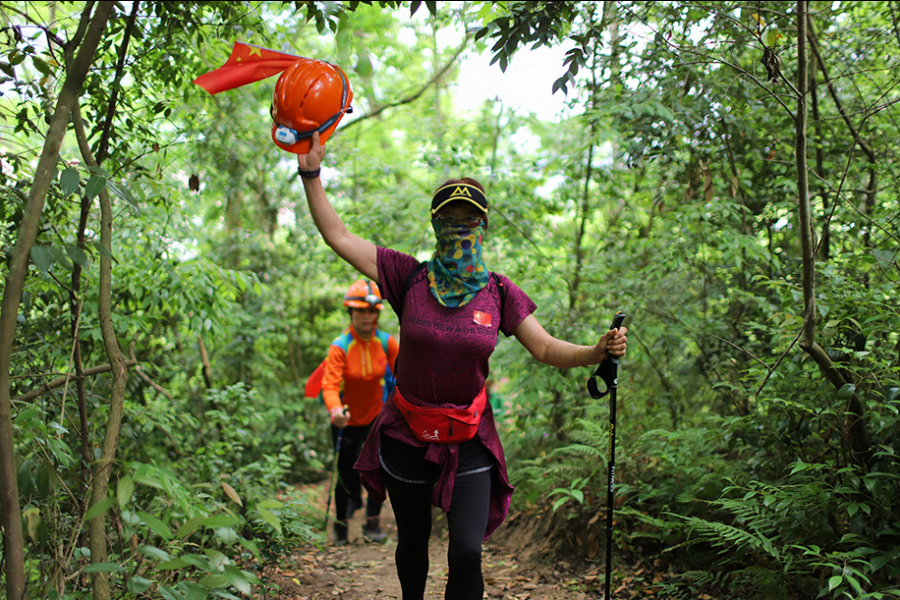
[{"x": 364, "y": 570}]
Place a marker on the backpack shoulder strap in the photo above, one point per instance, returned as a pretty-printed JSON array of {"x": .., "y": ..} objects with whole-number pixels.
[
  {"x": 343, "y": 341},
  {"x": 383, "y": 337},
  {"x": 405, "y": 288},
  {"x": 501, "y": 290},
  {"x": 389, "y": 377}
]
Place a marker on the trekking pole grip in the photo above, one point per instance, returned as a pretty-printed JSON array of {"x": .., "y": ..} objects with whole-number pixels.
[{"x": 608, "y": 369}]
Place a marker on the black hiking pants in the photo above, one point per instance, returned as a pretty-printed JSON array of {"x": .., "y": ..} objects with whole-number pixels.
[
  {"x": 348, "y": 487},
  {"x": 467, "y": 521}
]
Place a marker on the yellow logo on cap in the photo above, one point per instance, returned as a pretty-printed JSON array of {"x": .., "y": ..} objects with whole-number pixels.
[{"x": 461, "y": 191}]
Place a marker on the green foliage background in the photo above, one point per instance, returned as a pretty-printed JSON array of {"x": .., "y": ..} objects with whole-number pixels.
[{"x": 669, "y": 193}]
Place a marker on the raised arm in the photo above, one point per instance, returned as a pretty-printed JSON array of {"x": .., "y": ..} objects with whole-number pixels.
[
  {"x": 558, "y": 353},
  {"x": 360, "y": 253}
]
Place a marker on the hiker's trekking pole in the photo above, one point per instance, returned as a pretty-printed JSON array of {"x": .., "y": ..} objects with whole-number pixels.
[
  {"x": 608, "y": 370},
  {"x": 334, "y": 473}
]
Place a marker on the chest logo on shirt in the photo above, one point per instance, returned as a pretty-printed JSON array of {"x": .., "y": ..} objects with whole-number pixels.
[{"x": 482, "y": 318}]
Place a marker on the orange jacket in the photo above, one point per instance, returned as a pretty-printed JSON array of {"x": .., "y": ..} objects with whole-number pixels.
[{"x": 357, "y": 367}]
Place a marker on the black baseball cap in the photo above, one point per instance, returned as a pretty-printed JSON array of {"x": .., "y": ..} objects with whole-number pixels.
[{"x": 458, "y": 191}]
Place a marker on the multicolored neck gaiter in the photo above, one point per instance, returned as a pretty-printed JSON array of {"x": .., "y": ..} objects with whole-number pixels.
[{"x": 456, "y": 272}]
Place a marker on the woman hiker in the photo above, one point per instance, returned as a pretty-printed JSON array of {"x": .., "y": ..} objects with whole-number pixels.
[
  {"x": 358, "y": 372},
  {"x": 450, "y": 311}
]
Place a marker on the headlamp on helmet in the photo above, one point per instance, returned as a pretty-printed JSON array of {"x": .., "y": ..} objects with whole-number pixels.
[
  {"x": 285, "y": 135},
  {"x": 364, "y": 294}
]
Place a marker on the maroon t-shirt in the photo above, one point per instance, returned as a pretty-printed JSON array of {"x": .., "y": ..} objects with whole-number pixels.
[{"x": 444, "y": 352}]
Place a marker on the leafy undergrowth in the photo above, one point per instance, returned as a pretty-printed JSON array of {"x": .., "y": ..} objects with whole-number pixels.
[{"x": 536, "y": 555}]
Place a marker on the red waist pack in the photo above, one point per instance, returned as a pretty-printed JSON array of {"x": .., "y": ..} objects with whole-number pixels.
[{"x": 442, "y": 425}]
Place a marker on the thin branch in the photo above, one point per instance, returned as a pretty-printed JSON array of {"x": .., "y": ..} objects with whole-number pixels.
[
  {"x": 662, "y": 376},
  {"x": 415, "y": 96},
  {"x": 524, "y": 233},
  {"x": 721, "y": 61},
  {"x": 140, "y": 371},
  {"x": 739, "y": 349},
  {"x": 780, "y": 359},
  {"x": 871, "y": 221},
  {"x": 894, "y": 20},
  {"x": 73, "y": 43},
  {"x": 102, "y": 147},
  {"x": 840, "y": 187},
  {"x": 50, "y": 36},
  {"x": 829, "y": 85},
  {"x": 47, "y": 387}
]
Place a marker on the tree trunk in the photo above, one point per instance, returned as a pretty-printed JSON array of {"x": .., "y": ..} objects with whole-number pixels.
[
  {"x": 825, "y": 246},
  {"x": 857, "y": 433},
  {"x": 103, "y": 468},
  {"x": 13, "y": 542},
  {"x": 806, "y": 238},
  {"x": 119, "y": 369},
  {"x": 205, "y": 366}
]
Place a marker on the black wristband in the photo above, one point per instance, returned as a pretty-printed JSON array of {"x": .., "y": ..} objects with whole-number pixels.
[{"x": 308, "y": 174}]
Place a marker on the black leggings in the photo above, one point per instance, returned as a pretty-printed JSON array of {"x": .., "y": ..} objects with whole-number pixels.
[
  {"x": 348, "y": 485},
  {"x": 467, "y": 521}
]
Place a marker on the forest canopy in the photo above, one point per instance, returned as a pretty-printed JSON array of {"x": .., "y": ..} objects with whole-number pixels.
[{"x": 724, "y": 173}]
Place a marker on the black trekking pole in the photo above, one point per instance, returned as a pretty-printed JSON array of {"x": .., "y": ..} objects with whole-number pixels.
[
  {"x": 334, "y": 474},
  {"x": 608, "y": 371}
]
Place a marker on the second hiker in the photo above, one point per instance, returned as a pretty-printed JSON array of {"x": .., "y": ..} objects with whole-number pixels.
[{"x": 358, "y": 376}]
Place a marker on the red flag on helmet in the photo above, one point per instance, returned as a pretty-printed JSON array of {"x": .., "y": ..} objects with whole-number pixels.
[
  {"x": 310, "y": 95},
  {"x": 247, "y": 64}
]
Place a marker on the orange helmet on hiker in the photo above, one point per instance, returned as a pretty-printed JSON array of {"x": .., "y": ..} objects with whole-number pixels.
[
  {"x": 363, "y": 294},
  {"x": 310, "y": 95}
]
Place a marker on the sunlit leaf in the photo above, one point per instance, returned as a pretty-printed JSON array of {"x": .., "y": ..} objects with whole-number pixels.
[
  {"x": 124, "y": 193},
  {"x": 103, "y": 568},
  {"x": 69, "y": 180},
  {"x": 195, "y": 592},
  {"x": 269, "y": 518},
  {"x": 189, "y": 527},
  {"x": 217, "y": 521},
  {"x": 124, "y": 490},
  {"x": 150, "y": 481},
  {"x": 78, "y": 255},
  {"x": 846, "y": 392},
  {"x": 154, "y": 552},
  {"x": 94, "y": 186},
  {"x": 229, "y": 491},
  {"x": 157, "y": 526},
  {"x": 41, "y": 258},
  {"x": 172, "y": 565},
  {"x": 227, "y": 535},
  {"x": 138, "y": 585},
  {"x": 99, "y": 508},
  {"x": 215, "y": 580},
  {"x": 102, "y": 249}
]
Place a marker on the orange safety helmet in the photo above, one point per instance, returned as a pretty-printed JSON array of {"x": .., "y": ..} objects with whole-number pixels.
[
  {"x": 310, "y": 95},
  {"x": 363, "y": 294}
]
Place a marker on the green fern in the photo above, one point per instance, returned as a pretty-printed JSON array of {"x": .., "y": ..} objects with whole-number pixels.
[
  {"x": 729, "y": 537},
  {"x": 702, "y": 578}
]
